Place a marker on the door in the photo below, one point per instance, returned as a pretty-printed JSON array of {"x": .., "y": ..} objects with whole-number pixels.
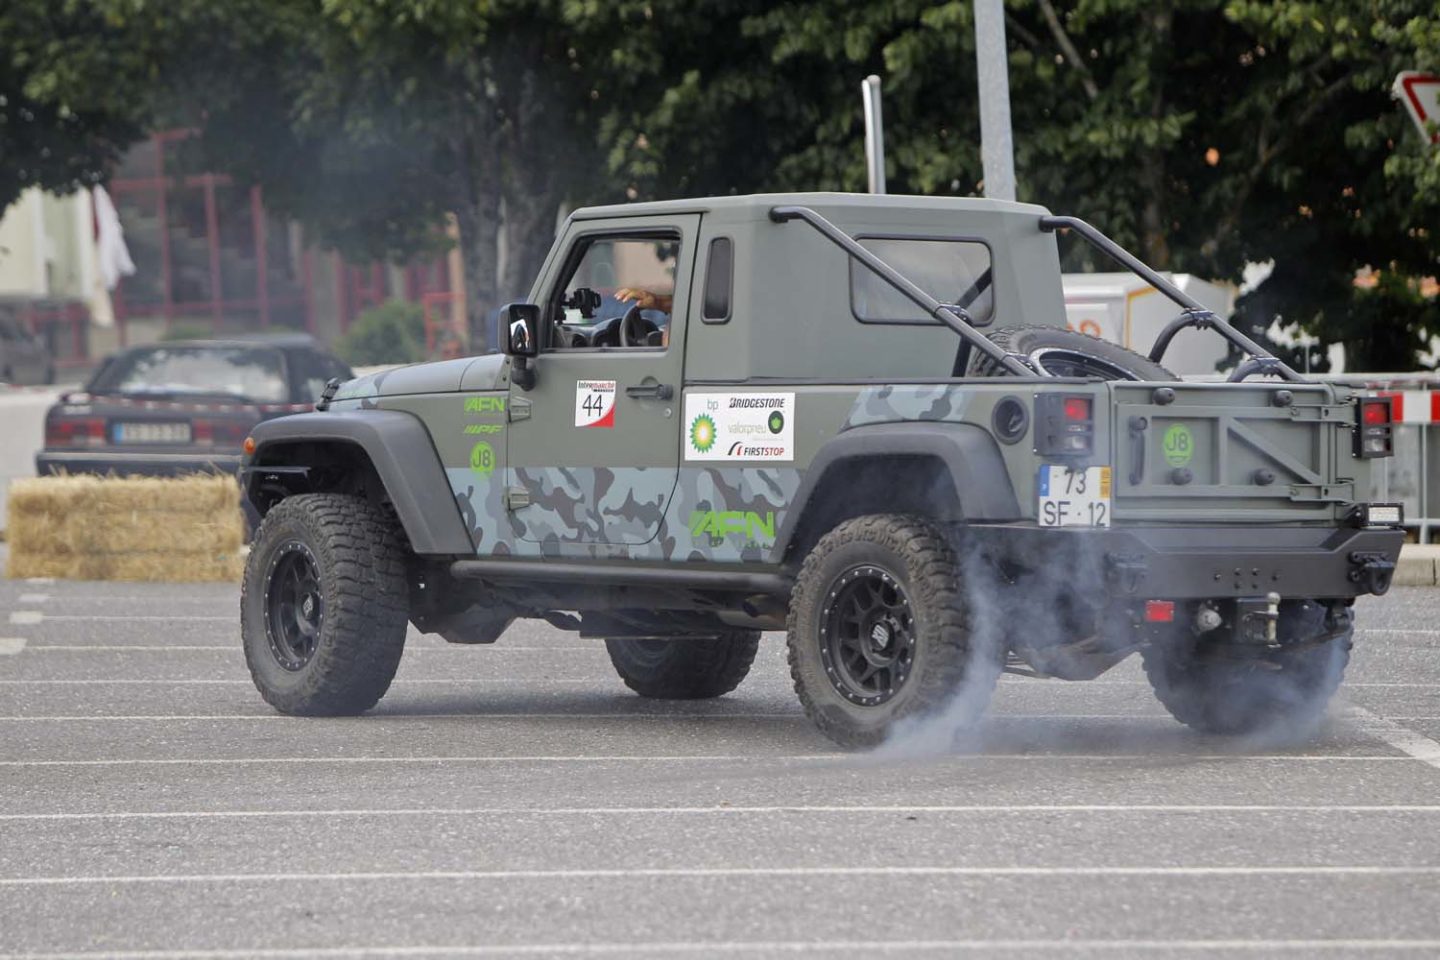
[{"x": 593, "y": 447}]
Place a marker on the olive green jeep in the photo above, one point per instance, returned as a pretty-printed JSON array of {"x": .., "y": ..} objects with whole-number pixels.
[{"x": 857, "y": 419}]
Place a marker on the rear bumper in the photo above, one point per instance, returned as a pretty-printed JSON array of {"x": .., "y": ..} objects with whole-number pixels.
[
  {"x": 1188, "y": 563},
  {"x": 127, "y": 464}
]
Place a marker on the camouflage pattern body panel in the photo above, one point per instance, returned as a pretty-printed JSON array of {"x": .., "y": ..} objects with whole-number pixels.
[
  {"x": 712, "y": 514},
  {"x": 927, "y": 401}
]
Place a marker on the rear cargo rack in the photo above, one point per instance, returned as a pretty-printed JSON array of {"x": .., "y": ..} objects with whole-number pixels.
[{"x": 1194, "y": 313}]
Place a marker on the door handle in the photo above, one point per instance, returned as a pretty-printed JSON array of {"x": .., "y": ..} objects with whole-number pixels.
[{"x": 651, "y": 391}]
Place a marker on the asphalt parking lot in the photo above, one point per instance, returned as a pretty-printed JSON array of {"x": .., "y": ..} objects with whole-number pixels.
[{"x": 518, "y": 801}]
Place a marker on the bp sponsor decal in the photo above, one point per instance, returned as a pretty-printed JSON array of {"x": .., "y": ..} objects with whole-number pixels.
[
  {"x": 594, "y": 403},
  {"x": 739, "y": 426}
]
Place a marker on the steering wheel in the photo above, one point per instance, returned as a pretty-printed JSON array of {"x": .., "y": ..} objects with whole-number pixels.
[{"x": 635, "y": 330}]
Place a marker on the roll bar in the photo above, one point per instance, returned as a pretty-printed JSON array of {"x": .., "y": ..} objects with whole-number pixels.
[
  {"x": 1194, "y": 312},
  {"x": 956, "y": 318}
]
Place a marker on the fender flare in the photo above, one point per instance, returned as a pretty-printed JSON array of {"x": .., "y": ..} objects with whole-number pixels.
[
  {"x": 968, "y": 452},
  {"x": 404, "y": 457}
]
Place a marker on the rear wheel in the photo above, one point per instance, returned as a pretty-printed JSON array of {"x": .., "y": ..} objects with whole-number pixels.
[
  {"x": 1064, "y": 353},
  {"x": 684, "y": 669},
  {"x": 879, "y": 631},
  {"x": 324, "y": 605},
  {"x": 1286, "y": 690}
]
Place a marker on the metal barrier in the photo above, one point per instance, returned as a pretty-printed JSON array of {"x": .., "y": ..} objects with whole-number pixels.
[{"x": 1410, "y": 476}]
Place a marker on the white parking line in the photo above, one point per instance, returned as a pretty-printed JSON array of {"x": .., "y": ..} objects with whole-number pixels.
[
  {"x": 751, "y": 758},
  {"x": 9, "y": 646},
  {"x": 620, "y": 873},
  {"x": 753, "y": 947},
  {"x": 439, "y": 682},
  {"x": 34, "y": 616},
  {"x": 404, "y": 812},
  {"x": 40, "y": 581},
  {"x": 235, "y": 647},
  {"x": 34, "y": 597},
  {"x": 230, "y": 717},
  {"x": 1402, "y": 738}
]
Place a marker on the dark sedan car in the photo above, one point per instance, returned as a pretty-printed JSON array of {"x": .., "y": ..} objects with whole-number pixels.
[{"x": 181, "y": 407}]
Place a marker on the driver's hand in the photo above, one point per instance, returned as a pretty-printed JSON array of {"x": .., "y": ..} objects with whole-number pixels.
[{"x": 645, "y": 299}]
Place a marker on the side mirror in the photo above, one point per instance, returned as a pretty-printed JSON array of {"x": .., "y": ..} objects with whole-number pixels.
[{"x": 522, "y": 329}]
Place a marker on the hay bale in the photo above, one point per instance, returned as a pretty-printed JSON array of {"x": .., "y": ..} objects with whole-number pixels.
[{"x": 181, "y": 529}]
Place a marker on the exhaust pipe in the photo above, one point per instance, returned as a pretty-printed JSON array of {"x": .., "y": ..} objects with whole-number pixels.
[{"x": 874, "y": 134}]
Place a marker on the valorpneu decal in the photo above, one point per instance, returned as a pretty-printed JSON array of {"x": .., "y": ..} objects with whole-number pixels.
[{"x": 715, "y": 514}]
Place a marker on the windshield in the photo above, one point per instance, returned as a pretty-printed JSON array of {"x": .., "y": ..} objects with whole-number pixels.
[{"x": 251, "y": 373}]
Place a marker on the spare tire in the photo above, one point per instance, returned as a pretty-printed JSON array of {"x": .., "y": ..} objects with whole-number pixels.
[{"x": 1064, "y": 353}]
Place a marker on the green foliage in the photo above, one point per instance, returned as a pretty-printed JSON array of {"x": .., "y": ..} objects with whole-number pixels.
[
  {"x": 190, "y": 329},
  {"x": 393, "y": 332},
  {"x": 73, "y": 95},
  {"x": 1204, "y": 134}
]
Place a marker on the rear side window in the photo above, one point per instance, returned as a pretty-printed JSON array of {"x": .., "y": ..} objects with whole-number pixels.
[
  {"x": 956, "y": 272},
  {"x": 719, "y": 276}
]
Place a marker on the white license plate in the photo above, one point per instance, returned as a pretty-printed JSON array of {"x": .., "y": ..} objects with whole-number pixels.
[
  {"x": 1071, "y": 497},
  {"x": 152, "y": 433}
]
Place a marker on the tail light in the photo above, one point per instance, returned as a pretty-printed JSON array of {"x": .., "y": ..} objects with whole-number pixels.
[
  {"x": 218, "y": 433},
  {"x": 1374, "y": 428},
  {"x": 1065, "y": 425},
  {"x": 75, "y": 432}
]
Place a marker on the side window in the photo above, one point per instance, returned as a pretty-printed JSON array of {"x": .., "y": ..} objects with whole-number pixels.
[
  {"x": 952, "y": 271},
  {"x": 611, "y": 276},
  {"x": 719, "y": 279}
]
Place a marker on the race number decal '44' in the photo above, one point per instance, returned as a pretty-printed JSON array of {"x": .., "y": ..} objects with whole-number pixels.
[
  {"x": 594, "y": 403},
  {"x": 1074, "y": 497}
]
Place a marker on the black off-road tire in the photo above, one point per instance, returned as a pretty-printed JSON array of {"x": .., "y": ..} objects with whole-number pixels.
[
  {"x": 1064, "y": 352},
  {"x": 917, "y": 557},
  {"x": 684, "y": 669},
  {"x": 359, "y": 635},
  {"x": 1233, "y": 698}
]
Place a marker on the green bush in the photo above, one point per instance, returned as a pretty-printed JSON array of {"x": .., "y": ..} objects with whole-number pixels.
[
  {"x": 185, "y": 328},
  {"x": 393, "y": 332}
]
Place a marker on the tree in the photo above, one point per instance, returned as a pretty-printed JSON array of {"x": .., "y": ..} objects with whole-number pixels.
[
  {"x": 1203, "y": 134},
  {"x": 73, "y": 88}
]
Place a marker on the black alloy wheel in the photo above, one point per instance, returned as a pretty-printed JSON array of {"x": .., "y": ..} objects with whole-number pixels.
[
  {"x": 867, "y": 635},
  {"x": 294, "y": 605}
]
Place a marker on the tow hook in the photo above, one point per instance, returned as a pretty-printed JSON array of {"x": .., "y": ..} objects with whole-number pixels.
[
  {"x": 1372, "y": 570},
  {"x": 1259, "y": 620}
]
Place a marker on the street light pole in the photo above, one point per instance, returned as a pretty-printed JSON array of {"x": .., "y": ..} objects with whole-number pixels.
[{"x": 997, "y": 151}]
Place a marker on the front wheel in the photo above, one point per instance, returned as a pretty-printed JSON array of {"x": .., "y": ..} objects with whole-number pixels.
[
  {"x": 1218, "y": 689},
  {"x": 324, "y": 605},
  {"x": 880, "y": 630}
]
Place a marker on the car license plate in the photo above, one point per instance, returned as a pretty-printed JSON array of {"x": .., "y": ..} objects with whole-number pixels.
[
  {"x": 1071, "y": 497},
  {"x": 152, "y": 433}
]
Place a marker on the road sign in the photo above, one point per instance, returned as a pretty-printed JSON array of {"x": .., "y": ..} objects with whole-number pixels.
[{"x": 1420, "y": 92}]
